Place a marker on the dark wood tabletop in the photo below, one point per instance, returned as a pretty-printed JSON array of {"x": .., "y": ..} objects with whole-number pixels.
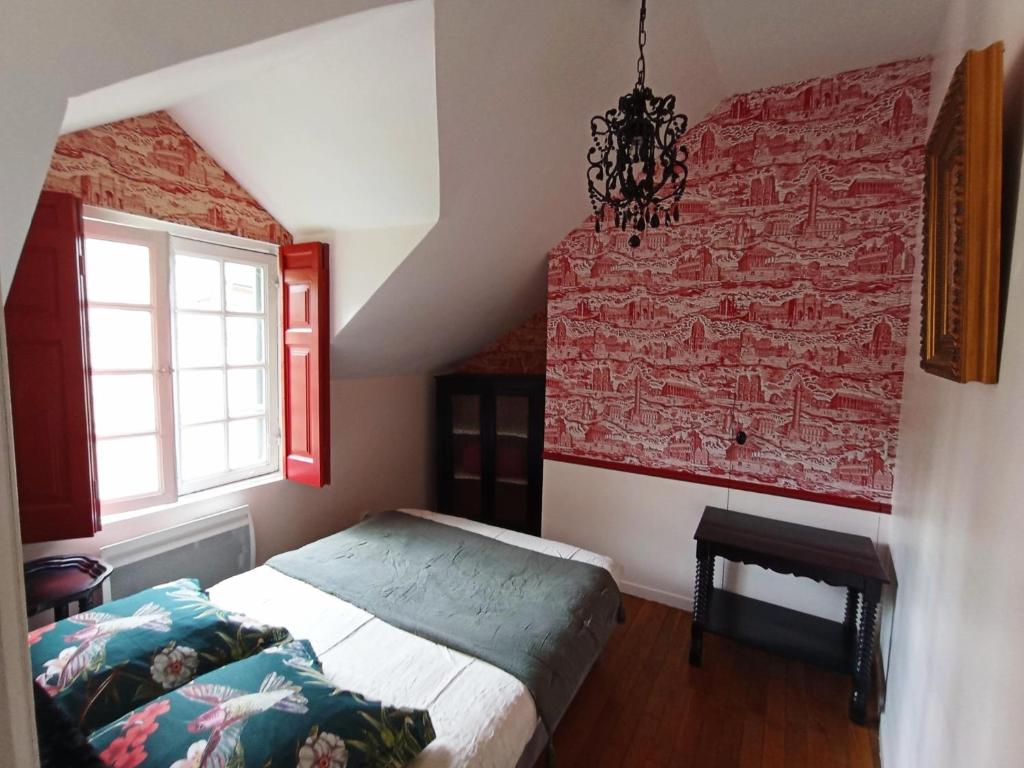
[
  {"x": 55, "y": 582},
  {"x": 803, "y": 544}
]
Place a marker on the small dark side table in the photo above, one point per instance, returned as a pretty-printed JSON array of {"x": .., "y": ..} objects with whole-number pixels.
[
  {"x": 839, "y": 559},
  {"x": 56, "y": 582}
]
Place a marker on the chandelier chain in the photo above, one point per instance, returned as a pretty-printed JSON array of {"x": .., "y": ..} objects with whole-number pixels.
[{"x": 641, "y": 62}]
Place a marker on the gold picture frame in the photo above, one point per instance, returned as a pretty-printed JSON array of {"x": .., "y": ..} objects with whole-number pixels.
[{"x": 963, "y": 192}]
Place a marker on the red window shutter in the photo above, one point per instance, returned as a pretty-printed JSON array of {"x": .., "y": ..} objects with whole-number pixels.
[
  {"x": 48, "y": 355},
  {"x": 307, "y": 405}
]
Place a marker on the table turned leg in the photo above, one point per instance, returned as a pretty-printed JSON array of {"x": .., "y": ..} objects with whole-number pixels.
[
  {"x": 87, "y": 602},
  {"x": 850, "y": 617},
  {"x": 703, "y": 584},
  {"x": 864, "y": 656}
]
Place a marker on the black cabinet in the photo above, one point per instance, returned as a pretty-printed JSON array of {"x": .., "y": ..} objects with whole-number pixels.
[{"x": 490, "y": 441}]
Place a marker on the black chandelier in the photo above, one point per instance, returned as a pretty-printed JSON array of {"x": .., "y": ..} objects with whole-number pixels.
[{"x": 637, "y": 162}]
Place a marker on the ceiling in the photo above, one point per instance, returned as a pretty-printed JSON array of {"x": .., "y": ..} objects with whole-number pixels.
[
  {"x": 440, "y": 146},
  {"x": 343, "y": 134},
  {"x": 758, "y": 44}
]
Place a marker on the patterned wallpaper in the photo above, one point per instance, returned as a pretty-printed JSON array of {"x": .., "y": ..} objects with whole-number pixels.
[
  {"x": 778, "y": 306},
  {"x": 521, "y": 350},
  {"x": 148, "y": 165}
]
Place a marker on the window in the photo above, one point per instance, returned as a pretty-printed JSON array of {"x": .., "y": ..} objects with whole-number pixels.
[
  {"x": 184, "y": 363},
  {"x": 224, "y": 340}
]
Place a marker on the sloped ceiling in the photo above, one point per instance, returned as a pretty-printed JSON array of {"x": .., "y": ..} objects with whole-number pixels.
[
  {"x": 517, "y": 84},
  {"x": 340, "y": 141},
  {"x": 50, "y": 52},
  {"x": 759, "y": 44},
  {"x": 434, "y": 278},
  {"x": 342, "y": 135}
]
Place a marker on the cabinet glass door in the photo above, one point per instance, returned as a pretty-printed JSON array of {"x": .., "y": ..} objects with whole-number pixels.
[
  {"x": 467, "y": 456},
  {"x": 511, "y": 461}
]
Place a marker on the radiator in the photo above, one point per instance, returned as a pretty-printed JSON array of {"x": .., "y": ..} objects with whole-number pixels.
[{"x": 210, "y": 549}]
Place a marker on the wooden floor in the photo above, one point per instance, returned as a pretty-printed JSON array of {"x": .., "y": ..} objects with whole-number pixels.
[{"x": 643, "y": 705}]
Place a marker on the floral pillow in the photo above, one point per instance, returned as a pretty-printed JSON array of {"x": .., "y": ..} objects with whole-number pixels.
[
  {"x": 273, "y": 710},
  {"x": 100, "y": 664}
]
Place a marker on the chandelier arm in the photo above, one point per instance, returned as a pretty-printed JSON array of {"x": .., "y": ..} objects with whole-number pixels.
[
  {"x": 602, "y": 125},
  {"x": 596, "y": 156}
]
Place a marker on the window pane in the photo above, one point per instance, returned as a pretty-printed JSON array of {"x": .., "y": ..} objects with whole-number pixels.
[
  {"x": 245, "y": 340},
  {"x": 202, "y": 451},
  {"x": 247, "y": 393},
  {"x": 200, "y": 396},
  {"x": 128, "y": 466},
  {"x": 123, "y": 405},
  {"x": 243, "y": 284},
  {"x": 116, "y": 272},
  {"x": 196, "y": 283},
  {"x": 120, "y": 339},
  {"x": 200, "y": 340},
  {"x": 247, "y": 443}
]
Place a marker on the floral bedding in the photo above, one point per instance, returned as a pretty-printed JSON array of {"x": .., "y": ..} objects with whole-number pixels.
[
  {"x": 102, "y": 663},
  {"x": 273, "y": 710}
]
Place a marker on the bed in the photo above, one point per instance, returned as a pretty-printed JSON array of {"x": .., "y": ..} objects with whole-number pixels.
[{"x": 483, "y": 715}]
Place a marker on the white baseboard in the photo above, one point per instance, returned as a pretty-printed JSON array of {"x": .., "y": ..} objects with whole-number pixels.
[
  {"x": 883, "y": 742},
  {"x": 673, "y": 599}
]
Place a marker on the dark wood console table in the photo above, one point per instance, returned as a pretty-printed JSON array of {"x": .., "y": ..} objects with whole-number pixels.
[{"x": 839, "y": 559}]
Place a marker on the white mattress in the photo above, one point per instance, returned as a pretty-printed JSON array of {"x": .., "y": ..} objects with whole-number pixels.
[{"x": 483, "y": 716}]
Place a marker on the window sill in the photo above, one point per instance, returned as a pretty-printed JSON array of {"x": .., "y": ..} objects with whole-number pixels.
[{"x": 194, "y": 498}]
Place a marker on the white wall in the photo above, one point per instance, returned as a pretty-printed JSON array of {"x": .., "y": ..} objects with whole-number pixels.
[
  {"x": 361, "y": 260},
  {"x": 647, "y": 524},
  {"x": 956, "y": 679},
  {"x": 381, "y": 449},
  {"x": 17, "y": 718}
]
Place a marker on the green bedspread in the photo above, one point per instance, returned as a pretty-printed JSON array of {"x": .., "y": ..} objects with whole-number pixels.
[{"x": 540, "y": 618}]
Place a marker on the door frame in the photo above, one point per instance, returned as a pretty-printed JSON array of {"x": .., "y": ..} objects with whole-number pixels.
[{"x": 17, "y": 708}]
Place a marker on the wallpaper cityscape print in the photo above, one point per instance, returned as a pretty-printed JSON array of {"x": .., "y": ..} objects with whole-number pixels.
[
  {"x": 778, "y": 306},
  {"x": 150, "y": 166},
  {"x": 521, "y": 350}
]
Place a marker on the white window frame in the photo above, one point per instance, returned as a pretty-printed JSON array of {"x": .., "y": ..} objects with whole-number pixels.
[
  {"x": 222, "y": 254},
  {"x": 156, "y": 243},
  {"x": 158, "y": 236}
]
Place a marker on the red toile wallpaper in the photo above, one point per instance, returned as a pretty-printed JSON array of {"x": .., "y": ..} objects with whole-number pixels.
[
  {"x": 148, "y": 165},
  {"x": 778, "y": 306},
  {"x": 521, "y": 350}
]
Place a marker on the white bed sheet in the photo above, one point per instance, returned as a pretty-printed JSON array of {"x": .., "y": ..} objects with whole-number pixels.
[{"x": 483, "y": 716}]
